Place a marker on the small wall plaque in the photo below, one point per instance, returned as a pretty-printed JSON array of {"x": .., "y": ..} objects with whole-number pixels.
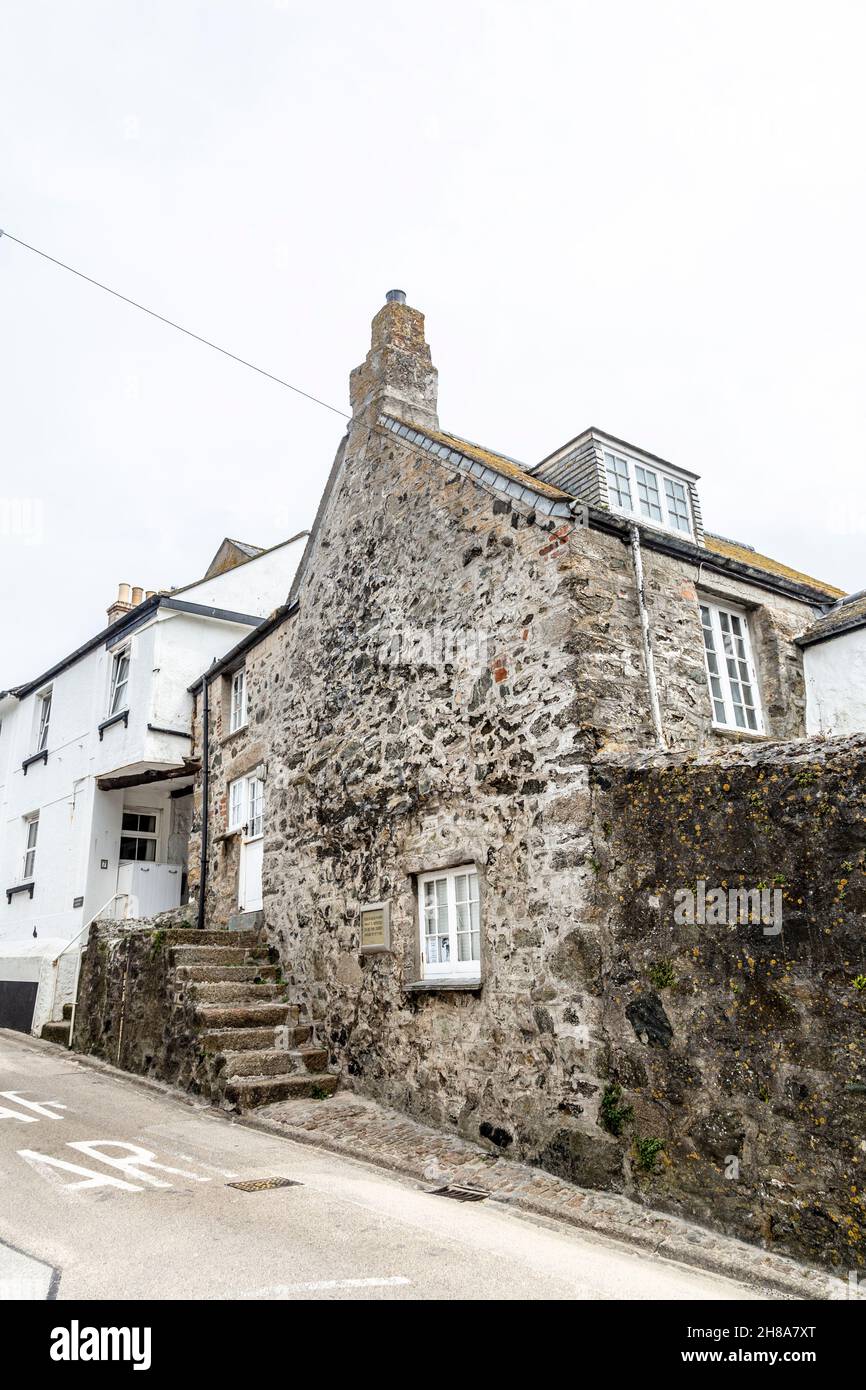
[
  {"x": 376, "y": 927},
  {"x": 77, "y": 902}
]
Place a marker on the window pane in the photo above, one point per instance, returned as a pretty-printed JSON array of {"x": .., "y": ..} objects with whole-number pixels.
[
  {"x": 147, "y": 823},
  {"x": 127, "y": 847},
  {"x": 648, "y": 493},
  {"x": 678, "y": 507},
  {"x": 619, "y": 489},
  {"x": 735, "y": 702}
]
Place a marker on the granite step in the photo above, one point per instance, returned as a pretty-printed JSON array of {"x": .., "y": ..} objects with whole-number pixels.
[
  {"x": 250, "y": 1015},
  {"x": 57, "y": 1032},
  {"x": 272, "y": 1061},
  {"x": 253, "y": 973},
  {"x": 276, "y": 1061},
  {"x": 209, "y": 955},
  {"x": 236, "y": 1039},
  {"x": 191, "y": 936},
  {"x": 236, "y": 992},
  {"x": 250, "y": 1091}
]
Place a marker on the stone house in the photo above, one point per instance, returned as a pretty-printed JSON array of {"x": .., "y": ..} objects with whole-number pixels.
[{"x": 419, "y": 771}]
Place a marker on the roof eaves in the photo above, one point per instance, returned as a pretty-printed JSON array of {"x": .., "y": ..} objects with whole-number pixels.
[{"x": 247, "y": 642}]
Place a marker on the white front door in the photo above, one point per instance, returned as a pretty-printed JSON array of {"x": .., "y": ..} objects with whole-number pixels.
[{"x": 252, "y": 845}]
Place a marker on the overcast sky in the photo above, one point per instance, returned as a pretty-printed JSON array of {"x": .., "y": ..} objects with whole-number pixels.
[{"x": 644, "y": 216}]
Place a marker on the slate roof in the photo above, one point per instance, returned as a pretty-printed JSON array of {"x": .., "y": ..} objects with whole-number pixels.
[
  {"x": 744, "y": 553},
  {"x": 498, "y": 470},
  {"x": 844, "y": 616},
  {"x": 515, "y": 480}
]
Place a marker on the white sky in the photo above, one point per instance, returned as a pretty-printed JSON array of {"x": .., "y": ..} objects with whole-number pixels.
[{"x": 644, "y": 216}]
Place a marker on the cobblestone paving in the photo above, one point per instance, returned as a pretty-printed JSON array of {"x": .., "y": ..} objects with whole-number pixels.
[{"x": 359, "y": 1128}]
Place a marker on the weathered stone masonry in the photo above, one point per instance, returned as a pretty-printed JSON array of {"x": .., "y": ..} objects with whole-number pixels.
[{"x": 383, "y": 761}]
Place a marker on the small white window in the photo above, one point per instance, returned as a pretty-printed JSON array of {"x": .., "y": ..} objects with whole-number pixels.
[
  {"x": 236, "y": 803},
  {"x": 450, "y": 914},
  {"x": 238, "y": 715},
  {"x": 31, "y": 830},
  {"x": 43, "y": 719},
  {"x": 661, "y": 499},
  {"x": 138, "y": 837},
  {"x": 118, "y": 701},
  {"x": 730, "y": 669},
  {"x": 246, "y": 806}
]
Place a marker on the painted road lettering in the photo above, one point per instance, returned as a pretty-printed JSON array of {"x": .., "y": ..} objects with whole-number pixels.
[
  {"x": 40, "y": 1108},
  {"x": 130, "y": 1163}
]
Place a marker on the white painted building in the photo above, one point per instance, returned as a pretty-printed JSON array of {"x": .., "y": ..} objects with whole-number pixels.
[
  {"x": 834, "y": 665},
  {"x": 95, "y": 777}
]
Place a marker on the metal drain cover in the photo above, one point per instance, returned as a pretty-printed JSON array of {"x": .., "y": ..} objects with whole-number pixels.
[
  {"x": 461, "y": 1194},
  {"x": 263, "y": 1184}
]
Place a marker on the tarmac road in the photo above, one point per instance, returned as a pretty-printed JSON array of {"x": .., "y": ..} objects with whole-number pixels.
[{"x": 113, "y": 1190}]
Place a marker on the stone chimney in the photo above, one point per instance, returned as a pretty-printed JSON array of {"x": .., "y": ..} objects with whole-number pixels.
[
  {"x": 128, "y": 597},
  {"x": 397, "y": 376}
]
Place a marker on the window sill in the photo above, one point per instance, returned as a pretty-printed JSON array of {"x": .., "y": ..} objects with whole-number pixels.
[
  {"x": 445, "y": 984},
  {"x": 19, "y": 888},
  {"x": 114, "y": 719},
  {"x": 737, "y": 735},
  {"x": 234, "y": 733},
  {"x": 35, "y": 758},
  {"x": 227, "y": 835}
]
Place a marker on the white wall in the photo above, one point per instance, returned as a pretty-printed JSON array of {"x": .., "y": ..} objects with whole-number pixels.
[
  {"x": 79, "y": 825},
  {"x": 835, "y": 672},
  {"x": 257, "y": 587}
]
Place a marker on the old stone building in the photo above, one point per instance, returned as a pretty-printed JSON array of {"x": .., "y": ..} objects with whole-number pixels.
[{"x": 432, "y": 773}]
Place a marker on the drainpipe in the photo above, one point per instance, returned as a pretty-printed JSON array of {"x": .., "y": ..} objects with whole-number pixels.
[
  {"x": 205, "y": 738},
  {"x": 655, "y": 707}
]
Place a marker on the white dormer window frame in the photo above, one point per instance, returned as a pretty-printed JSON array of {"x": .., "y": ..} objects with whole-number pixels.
[
  {"x": 238, "y": 705},
  {"x": 647, "y": 492}
]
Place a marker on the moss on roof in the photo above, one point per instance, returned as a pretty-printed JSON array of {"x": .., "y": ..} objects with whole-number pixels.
[
  {"x": 506, "y": 466},
  {"x": 850, "y": 613},
  {"x": 746, "y": 556}
]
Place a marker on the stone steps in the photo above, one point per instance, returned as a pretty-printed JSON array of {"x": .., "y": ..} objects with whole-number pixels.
[
  {"x": 236, "y": 992},
  {"x": 245, "y": 1015},
  {"x": 191, "y": 936},
  {"x": 208, "y": 955},
  {"x": 236, "y": 1039},
  {"x": 215, "y": 974},
  {"x": 57, "y": 1032},
  {"x": 275, "y": 1061},
  {"x": 250, "y": 1091}
]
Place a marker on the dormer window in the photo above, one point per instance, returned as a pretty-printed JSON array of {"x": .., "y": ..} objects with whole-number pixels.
[{"x": 648, "y": 494}]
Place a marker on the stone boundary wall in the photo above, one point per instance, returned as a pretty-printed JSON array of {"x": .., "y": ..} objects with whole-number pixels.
[{"x": 738, "y": 1047}]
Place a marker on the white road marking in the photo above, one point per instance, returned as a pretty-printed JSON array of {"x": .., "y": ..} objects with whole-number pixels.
[
  {"x": 39, "y": 1161},
  {"x": 324, "y": 1286},
  {"x": 133, "y": 1161},
  {"x": 38, "y": 1106},
  {"x": 6, "y": 1114}
]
